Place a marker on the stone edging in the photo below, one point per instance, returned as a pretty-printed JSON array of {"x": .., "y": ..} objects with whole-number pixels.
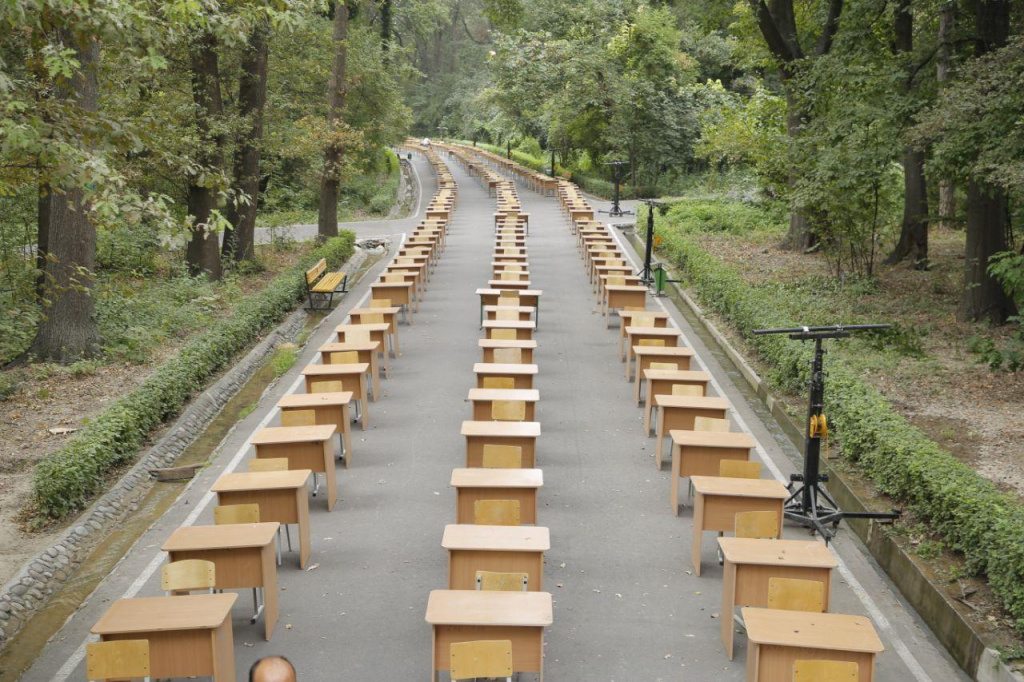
[
  {"x": 962, "y": 641},
  {"x": 40, "y": 577}
]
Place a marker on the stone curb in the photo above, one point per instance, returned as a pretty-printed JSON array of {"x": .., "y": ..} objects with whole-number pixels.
[
  {"x": 963, "y": 642},
  {"x": 40, "y": 577}
]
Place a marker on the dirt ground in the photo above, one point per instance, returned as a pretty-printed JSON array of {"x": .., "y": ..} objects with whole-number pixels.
[
  {"x": 960, "y": 403},
  {"x": 59, "y": 402}
]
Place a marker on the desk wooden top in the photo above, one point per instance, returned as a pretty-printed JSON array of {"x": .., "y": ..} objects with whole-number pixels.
[
  {"x": 262, "y": 480},
  {"x": 496, "y": 538},
  {"x": 506, "y": 343},
  {"x": 392, "y": 285},
  {"x": 320, "y": 369},
  {"x": 739, "y": 487},
  {"x": 497, "y": 478},
  {"x": 830, "y": 631},
  {"x": 508, "y": 324},
  {"x": 163, "y": 614},
  {"x": 473, "y": 607},
  {"x": 653, "y": 331},
  {"x": 657, "y": 315},
  {"x": 711, "y": 439},
  {"x": 624, "y": 287},
  {"x": 506, "y": 282},
  {"x": 369, "y": 326},
  {"x": 676, "y": 375},
  {"x": 526, "y": 395},
  {"x": 228, "y": 536},
  {"x": 369, "y": 311},
  {"x": 277, "y": 435},
  {"x": 517, "y": 308},
  {"x": 691, "y": 401},
  {"x": 503, "y": 429},
  {"x": 522, "y": 292},
  {"x": 802, "y": 553},
  {"x": 315, "y": 399},
  {"x": 502, "y": 368},
  {"x": 675, "y": 351},
  {"x": 342, "y": 347}
]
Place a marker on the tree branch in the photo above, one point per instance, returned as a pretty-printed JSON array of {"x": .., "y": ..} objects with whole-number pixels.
[
  {"x": 835, "y": 9},
  {"x": 777, "y": 44}
]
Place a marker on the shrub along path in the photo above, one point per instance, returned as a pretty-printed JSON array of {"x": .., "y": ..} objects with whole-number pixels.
[{"x": 627, "y": 606}]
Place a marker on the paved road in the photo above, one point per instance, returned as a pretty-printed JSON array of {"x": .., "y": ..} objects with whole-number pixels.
[{"x": 627, "y": 607}]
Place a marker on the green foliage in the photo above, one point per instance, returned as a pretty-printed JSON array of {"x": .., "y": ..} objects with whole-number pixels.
[
  {"x": 1008, "y": 268},
  {"x": 10, "y": 384},
  {"x": 66, "y": 480},
  {"x": 972, "y": 516},
  {"x": 284, "y": 359}
]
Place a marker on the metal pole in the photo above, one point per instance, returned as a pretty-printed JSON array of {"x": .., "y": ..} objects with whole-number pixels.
[{"x": 552, "y": 162}]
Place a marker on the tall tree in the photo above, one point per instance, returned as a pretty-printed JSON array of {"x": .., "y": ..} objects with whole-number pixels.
[
  {"x": 987, "y": 215},
  {"x": 239, "y": 239},
  {"x": 68, "y": 330},
  {"x": 203, "y": 251},
  {"x": 386, "y": 28},
  {"x": 913, "y": 241},
  {"x": 327, "y": 223},
  {"x": 947, "y": 188},
  {"x": 776, "y": 20}
]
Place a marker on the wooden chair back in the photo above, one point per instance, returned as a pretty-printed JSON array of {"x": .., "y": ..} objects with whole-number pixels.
[
  {"x": 692, "y": 390},
  {"x": 380, "y": 302},
  {"x": 357, "y": 336},
  {"x": 489, "y": 581},
  {"x": 268, "y": 464},
  {"x": 507, "y": 315},
  {"x": 298, "y": 417},
  {"x": 503, "y": 334},
  {"x": 502, "y": 457},
  {"x": 825, "y": 671},
  {"x": 483, "y": 658},
  {"x": 653, "y": 343},
  {"x": 236, "y": 513},
  {"x": 663, "y": 365},
  {"x": 390, "y": 277},
  {"x": 710, "y": 424},
  {"x": 120, "y": 659},
  {"x": 372, "y": 318},
  {"x": 332, "y": 386},
  {"x": 790, "y": 594},
  {"x": 348, "y": 357},
  {"x": 759, "y": 525},
  {"x": 615, "y": 280},
  {"x": 734, "y": 468},
  {"x": 507, "y": 298},
  {"x": 508, "y": 410},
  {"x": 496, "y": 512},
  {"x": 499, "y": 382},
  {"x": 188, "y": 575},
  {"x": 642, "y": 320},
  {"x": 508, "y": 356}
]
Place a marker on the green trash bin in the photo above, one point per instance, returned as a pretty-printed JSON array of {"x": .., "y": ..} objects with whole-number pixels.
[{"x": 660, "y": 279}]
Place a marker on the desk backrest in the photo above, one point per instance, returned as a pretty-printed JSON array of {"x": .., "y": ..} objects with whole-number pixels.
[
  {"x": 790, "y": 594},
  {"x": 758, "y": 525},
  {"x": 270, "y": 463},
  {"x": 710, "y": 424},
  {"x": 348, "y": 357},
  {"x": 126, "y": 658},
  {"x": 642, "y": 320},
  {"x": 502, "y": 334},
  {"x": 380, "y": 302},
  {"x": 734, "y": 468},
  {"x": 330, "y": 386},
  {"x": 825, "y": 671},
  {"x": 355, "y": 335},
  {"x": 507, "y": 315},
  {"x": 502, "y": 457},
  {"x": 688, "y": 390},
  {"x": 187, "y": 575},
  {"x": 496, "y": 512},
  {"x": 485, "y": 658},
  {"x": 499, "y": 382},
  {"x": 508, "y": 410},
  {"x": 236, "y": 513},
  {"x": 664, "y": 365},
  {"x": 298, "y": 418},
  {"x": 508, "y": 356},
  {"x": 656, "y": 343}
]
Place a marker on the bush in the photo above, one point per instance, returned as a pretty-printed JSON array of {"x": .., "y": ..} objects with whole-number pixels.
[
  {"x": 971, "y": 514},
  {"x": 66, "y": 480}
]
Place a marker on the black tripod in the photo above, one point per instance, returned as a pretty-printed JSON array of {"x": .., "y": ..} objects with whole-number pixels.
[
  {"x": 810, "y": 504},
  {"x": 618, "y": 170},
  {"x": 647, "y": 274}
]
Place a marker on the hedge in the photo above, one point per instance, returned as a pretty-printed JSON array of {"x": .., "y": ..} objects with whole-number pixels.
[
  {"x": 66, "y": 480},
  {"x": 985, "y": 525}
]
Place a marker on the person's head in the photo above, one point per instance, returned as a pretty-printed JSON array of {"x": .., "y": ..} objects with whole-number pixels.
[{"x": 272, "y": 669}]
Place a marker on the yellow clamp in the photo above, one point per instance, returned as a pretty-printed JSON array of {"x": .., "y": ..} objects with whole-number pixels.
[{"x": 819, "y": 426}]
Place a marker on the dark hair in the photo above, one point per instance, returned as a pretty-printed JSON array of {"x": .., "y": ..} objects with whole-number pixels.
[{"x": 252, "y": 670}]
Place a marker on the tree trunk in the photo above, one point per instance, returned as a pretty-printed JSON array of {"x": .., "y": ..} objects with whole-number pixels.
[
  {"x": 239, "y": 241},
  {"x": 203, "y": 251},
  {"x": 42, "y": 238},
  {"x": 327, "y": 224},
  {"x": 386, "y": 29},
  {"x": 800, "y": 237},
  {"x": 913, "y": 241},
  {"x": 947, "y": 189},
  {"x": 68, "y": 330},
  {"x": 987, "y": 217}
]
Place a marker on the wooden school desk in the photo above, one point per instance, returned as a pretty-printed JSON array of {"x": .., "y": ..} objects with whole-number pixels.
[
  {"x": 362, "y": 315},
  {"x": 660, "y": 320},
  {"x": 188, "y": 635},
  {"x": 526, "y": 348},
  {"x": 530, "y": 297},
  {"x": 700, "y": 453},
  {"x": 780, "y": 638},
  {"x": 470, "y": 615},
  {"x": 244, "y": 556},
  {"x": 366, "y": 352},
  {"x": 668, "y": 336},
  {"x": 410, "y": 273},
  {"x": 628, "y": 280},
  {"x": 661, "y": 381},
  {"x": 472, "y": 485},
  {"x": 718, "y": 500},
  {"x": 352, "y": 378},
  {"x": 750, "y": 563},
  {"x": 521, "y": 374},
  {"x": 524, "y": 330},
  {"x": 305, "y": 447},
  {"x": 330, "y": 408},
  {"x": 617, "y": 296},
  {"x": 522, "y": 434},
  {"x": 503, "y": 549},
  {"x": 645, "y": 355},
  {"x": 281, "y": 495},
  {"x": 399, "y": 293},
  {"x": 679, "y": 411},
  {"x": 517, "y": 284},
  {"x": 483, "y": 401},
  {"x": 379, "y": 332},
  {"x": 523, "y": 312}
]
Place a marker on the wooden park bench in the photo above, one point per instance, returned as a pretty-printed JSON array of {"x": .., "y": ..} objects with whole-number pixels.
[{"x": 322, "y": 285}]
